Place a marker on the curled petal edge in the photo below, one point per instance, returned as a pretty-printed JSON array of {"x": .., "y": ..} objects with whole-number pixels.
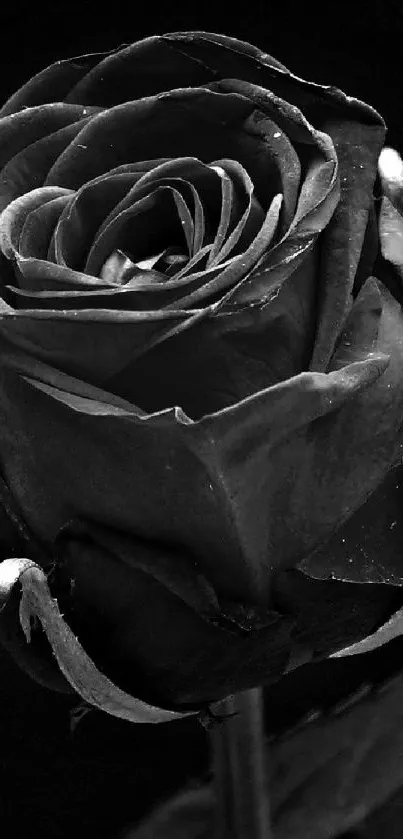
[
  {"x": 393, "y": 628},
  {"x": 77, "y": 667}
]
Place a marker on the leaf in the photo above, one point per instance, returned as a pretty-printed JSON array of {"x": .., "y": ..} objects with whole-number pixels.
[
  {"x": 322, "y": 780},
  {"x": 93, "y": 687}
]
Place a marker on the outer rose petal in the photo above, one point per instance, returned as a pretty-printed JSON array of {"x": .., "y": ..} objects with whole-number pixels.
[
  {"x": 51, "y": 84},
  {"x": 221, "y": 648},
  {"x": 190, "y": 648},
  {"x": 136, "y": 70},
  {"x": 239, "y": 479},
  {"x": 29, "y": 168},
  {"x": 174, "y": 60},
  {"x": 357, "y": 145}
]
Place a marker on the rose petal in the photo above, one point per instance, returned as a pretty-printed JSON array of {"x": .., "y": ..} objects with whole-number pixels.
[
  {"x": 390, "y": 170},
  {"x": 277, "y": 426},
  {"x": 51, "y": 84},
  {"x": 389, "y": 630},
  {"x": 217, "y": 647},
  {"x": 296, "y": 474},
  {"x": 194, "y": 179},
  {"x": 118, "y": 267},
  {"x": 228, "y": 58},
  {"x": 66, "y": 338},
  {"x": 76, "y": 666},
  {"x": 158, "y": 63},
  {"x": 39, "y": 274},
  {"x": 228, "y": 212},
  {"x": 39, "y": 225},
  {"x": 194, "y": 268},
  {"x": 13, "y": 218},
  {"x": 240, "y": 265},
  {"x": 224, "y": 58},
  {"x": 189, "y": 174},
  {"x": 283, "y": 166},
  {"x": 91, "y": 204},
  {"x": 144, "y": 295},
  {"x": 288, "y": 255},
  {"x": 189, "y": 122},
  {"x": 391, "y": 234},
  {"x": 121, "y": 298},
  {"x": 383, "y": 412},
  {"x": 357, "y": 145},
  {"x": 360, "y": 334},
  {"x": 30, "y": 148},
  {"x": 143, "y": 291},
  {"x": 314, "y": 147},
  {"x": 250, "y": 221},
  {"x": 32, "y": 124},
  {"x": 183, "y": 462},
  {"x": 147, "y": 226},
  {"x": 232, "y": 354}
]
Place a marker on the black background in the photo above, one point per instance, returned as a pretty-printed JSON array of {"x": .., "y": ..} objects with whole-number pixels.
[{"x": 55, "y": 783}]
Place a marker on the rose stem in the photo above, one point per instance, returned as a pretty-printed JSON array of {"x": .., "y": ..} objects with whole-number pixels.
[{"x": 241, "y": 789}]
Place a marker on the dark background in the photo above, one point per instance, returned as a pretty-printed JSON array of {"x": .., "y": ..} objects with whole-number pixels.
[{"x": 55, "y": 783}]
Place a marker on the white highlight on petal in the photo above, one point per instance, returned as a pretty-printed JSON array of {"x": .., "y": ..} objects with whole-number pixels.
[
  {"x": 391, "y": 233},
  {"x": 393, "y": 628},
  {"x": 390, "y": 168}
]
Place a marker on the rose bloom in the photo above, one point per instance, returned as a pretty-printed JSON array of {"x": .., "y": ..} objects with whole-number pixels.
[{"x": 200, "y": 380}]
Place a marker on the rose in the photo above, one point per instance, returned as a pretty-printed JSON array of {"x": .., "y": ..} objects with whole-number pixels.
[
  {"x": 391, "y": 213},
  {"x": 200, "y": 378}
]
